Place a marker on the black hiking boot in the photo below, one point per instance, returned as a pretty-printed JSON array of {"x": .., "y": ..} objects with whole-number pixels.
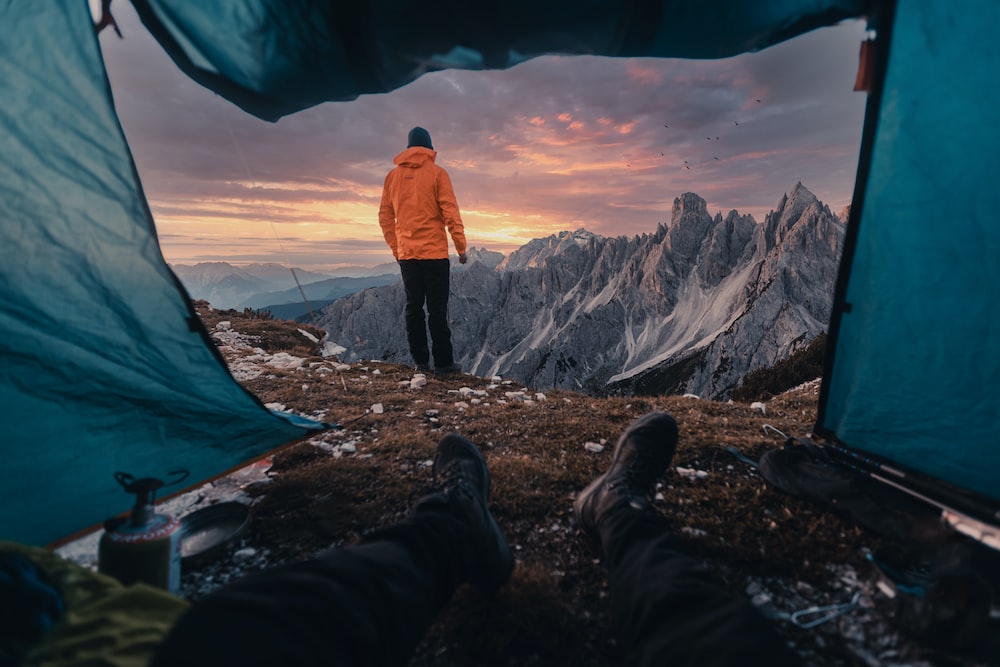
[
  {"x": 642, "y": 454},
  {"x": 421, "y": 368},
  {"x": 450, "y": 369},
  {"x": 461, "y": 471}
]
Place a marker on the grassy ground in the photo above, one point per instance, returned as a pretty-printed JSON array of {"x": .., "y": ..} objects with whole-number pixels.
[{"x": 334, "y": 489}]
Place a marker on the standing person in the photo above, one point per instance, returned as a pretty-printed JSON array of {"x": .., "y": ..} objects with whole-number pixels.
[{"x": 418, "y": 205}]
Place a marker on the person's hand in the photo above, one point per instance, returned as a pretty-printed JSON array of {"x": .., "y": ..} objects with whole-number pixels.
[{"x": 463, "y": 258}]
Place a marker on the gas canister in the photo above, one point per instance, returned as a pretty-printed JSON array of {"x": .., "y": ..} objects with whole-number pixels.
[{"x": 145, "y": 546}]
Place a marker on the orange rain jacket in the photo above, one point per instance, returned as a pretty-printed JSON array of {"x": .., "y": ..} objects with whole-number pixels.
[{"x": 418, "y": 204}]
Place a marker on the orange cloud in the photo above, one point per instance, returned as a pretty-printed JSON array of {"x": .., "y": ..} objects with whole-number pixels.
[{"x": 643, "y": 74}]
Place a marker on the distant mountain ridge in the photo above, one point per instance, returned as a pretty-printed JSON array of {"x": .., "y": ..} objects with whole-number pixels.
[
  {"x": 226, "y": 286},
  {"x": 692, "y": 307},
  {"x": 271, "y": 286}
]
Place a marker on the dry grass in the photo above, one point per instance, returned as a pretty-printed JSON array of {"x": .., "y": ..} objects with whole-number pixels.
[{"x": 554, "y": 611}]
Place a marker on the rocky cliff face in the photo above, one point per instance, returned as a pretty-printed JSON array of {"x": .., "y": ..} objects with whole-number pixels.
[{"x": 690, "y": 308}]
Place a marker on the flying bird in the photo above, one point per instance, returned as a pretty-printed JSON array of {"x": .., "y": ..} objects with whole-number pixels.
[
  {"x": 758, "y": 101},
  {"x": 715, "y": 158}
]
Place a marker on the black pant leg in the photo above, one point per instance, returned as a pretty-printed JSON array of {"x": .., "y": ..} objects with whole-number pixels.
[
  {"x": 415, "y": 286},
  {"x": 668, "y": 609},
  {"x": 368, "y": 604},
  {"x": 437, "y": 278}
]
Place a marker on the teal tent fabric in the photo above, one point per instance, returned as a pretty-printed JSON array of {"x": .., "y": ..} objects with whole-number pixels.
[
  {"x": 915, "y": 374},
  {"x": 105, "y": 366},
  {"x": 274, "y": 57}
]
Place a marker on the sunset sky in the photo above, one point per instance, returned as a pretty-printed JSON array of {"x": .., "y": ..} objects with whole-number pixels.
[{"x": 557, "y": 143}]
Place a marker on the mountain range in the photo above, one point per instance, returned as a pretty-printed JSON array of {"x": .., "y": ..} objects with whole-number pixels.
[
  {"x": 262, "y": 285},
  {"x": 690, "y": 308}
]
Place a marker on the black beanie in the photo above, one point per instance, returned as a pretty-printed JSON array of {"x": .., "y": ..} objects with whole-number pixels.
[{"x": 419, "y": 137}]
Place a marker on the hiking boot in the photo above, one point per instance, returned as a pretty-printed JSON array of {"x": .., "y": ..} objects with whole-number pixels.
[
  {"x": 450, "y": 369},
  {"x": 421, "y": 368},
  {"x": 461, "y": 471},
  {"x": 642, "y": 454}
]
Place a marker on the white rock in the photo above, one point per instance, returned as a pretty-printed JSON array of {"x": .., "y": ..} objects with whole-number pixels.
[
  {"x": 540, "y": 397},
  {"x": 245, "y": 554},
  {"x": 461, "y": 405},
  {"x": 465, "y": 391},
  {"x": 475, "y": 401},
  {"x": 593, "y": 447},
  {"x": 331, "y": 349},
  {"x": 759, "y": 407},
  {"x": 225, "y": 325},
  {"x": 285, "y": 360},
  {"x": 376, "y": 372},
  {"x": 308, "y": 335},
  {"x": 418, "y": 381},
  {"x": 693, "y": 532},
  {"x": 343, "y": 367},
  {"x": 691, "y": 473},
  {"x": 692, "y": 396},
  {"x": 496, "y": 378},
  {"x": 378, "y": 408},
  {"x": 349, "y": 448}
]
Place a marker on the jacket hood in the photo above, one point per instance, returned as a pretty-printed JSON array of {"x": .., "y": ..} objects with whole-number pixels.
[{"x": 415, "y": 156}]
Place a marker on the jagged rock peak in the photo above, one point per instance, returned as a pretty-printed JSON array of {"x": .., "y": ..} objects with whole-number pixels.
[
  {"x": 689, "y": 202},
  {"x": 534, "y": 252},
  {"x": 490, "y": 258},
  {"x": 798, "y": 206},
  {"x": 690, "y": 223}
]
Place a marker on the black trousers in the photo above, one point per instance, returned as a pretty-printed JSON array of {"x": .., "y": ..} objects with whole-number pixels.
[
  {"x": 669, "y": 609},
  {"x": 371, "y": 604},
  {"x": 368, "y": 604},
  {"x": 426, "y": 281}
]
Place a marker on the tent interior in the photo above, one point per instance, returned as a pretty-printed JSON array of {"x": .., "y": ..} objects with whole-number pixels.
[{"x": 107, "y": 367}]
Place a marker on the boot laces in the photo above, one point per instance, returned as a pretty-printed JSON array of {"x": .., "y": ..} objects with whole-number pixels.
[{"x": 459, "y": 474}]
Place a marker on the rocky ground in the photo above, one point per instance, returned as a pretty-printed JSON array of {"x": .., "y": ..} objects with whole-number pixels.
[{"x": 785, "y": 554}]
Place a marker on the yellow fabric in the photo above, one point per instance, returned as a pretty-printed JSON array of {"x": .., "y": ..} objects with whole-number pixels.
[
  {"x": 105, "y": 623},
  {"x": 418, "y": 206}
]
